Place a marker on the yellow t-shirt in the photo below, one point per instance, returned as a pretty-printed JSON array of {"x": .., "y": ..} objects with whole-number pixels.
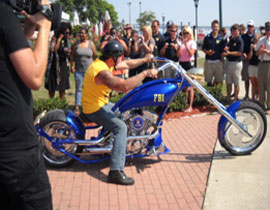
[{"x": 94, "y": 96}]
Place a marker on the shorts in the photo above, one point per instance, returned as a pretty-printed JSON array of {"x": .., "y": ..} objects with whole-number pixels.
[
  {"x": 253, "y": 71},
  {"x": 233, "y": 73},
  {"x": 186, "y": 65},
  {"x": 213, "y": 69},
  {"x": 24, "y": 183},
  {"x": 244, "y": 72}
]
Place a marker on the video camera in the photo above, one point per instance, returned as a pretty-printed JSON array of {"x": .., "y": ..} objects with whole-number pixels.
[{"x": 32, "y": 7}]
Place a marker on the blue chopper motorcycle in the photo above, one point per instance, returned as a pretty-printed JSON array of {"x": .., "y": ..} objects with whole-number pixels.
[{"x": 241, "y": 128}]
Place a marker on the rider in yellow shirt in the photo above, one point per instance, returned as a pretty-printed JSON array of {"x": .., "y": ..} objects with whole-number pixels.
[{"x": 97, "y": 84}]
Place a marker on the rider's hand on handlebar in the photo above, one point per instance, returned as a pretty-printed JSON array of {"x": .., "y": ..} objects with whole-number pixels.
[
  {"x": 148, "y": 58},
  {"x": 153, "y": 73}
]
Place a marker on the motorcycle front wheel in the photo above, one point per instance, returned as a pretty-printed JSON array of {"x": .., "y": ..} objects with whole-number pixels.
[
  {"x": 252, "y": 116},
  {"x": 57, "y": 129}
]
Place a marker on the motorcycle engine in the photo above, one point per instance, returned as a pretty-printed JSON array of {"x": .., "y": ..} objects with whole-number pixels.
[{"x": 140, "y": 123}]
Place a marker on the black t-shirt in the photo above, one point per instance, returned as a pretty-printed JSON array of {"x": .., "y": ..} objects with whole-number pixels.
[
  {"x": 254, "y": 59},
  {"x": 166, "y": 35},
  {"x": 236, "y": 44},
  {"x": 160, "y": 41},
  {"x": 248, "y": 39},
  {"x": 17, "y": 129},
  {"x": 126, "y": 39},
  {"x": 134, "y": 55},
  {"x": 170, "y": 52}
]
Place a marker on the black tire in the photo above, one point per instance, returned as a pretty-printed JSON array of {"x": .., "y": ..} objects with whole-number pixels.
[
  {"x": 54, "y": 125},
  {"x": 252, "y": 116}
]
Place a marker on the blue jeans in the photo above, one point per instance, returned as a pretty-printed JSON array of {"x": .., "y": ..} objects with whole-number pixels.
[
  {"x": 110, "y": 122},
  {"x": 78, "y": 92}
]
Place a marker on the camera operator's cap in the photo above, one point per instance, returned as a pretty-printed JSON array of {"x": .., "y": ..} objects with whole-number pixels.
[
  {"x": 250, "y": 23},
  {"x": 169, "y": 24},
  {"x": 267, "y": 26}
]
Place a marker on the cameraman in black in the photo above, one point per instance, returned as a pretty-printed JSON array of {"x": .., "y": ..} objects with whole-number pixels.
[{"x": 24, "y": 182}]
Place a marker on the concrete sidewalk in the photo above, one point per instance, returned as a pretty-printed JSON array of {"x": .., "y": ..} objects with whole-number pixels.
[{"x": 239, "y": 182}]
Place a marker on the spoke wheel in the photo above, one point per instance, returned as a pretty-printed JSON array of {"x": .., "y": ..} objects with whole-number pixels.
[
  {"x": 253, "y": 118},
  {"x": 54, "y": 126}
]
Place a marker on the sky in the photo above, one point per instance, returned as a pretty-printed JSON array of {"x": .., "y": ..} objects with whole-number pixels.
[{"x": 233, "y": 11}]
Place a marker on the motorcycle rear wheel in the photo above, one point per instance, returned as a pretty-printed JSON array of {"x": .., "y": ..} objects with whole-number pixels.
[
  {"x": 252, "y": 116},
  {"x": 57, "y": 129}
]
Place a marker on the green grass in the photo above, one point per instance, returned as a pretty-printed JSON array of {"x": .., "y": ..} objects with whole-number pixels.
[{"x": 70, "y": 93}]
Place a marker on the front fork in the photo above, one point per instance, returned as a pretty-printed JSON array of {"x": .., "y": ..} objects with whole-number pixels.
[{"x": 221, "y": 108}]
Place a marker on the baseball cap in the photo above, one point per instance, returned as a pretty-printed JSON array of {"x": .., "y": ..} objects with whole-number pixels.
[
  {"x": 250, "y": 23},
  {"x": 169, "y": 23}
]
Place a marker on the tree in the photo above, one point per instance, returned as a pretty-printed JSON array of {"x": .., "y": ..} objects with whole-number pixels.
[
  {"x": 94, "y": 10},
  {"x": 146, "y": 18}
]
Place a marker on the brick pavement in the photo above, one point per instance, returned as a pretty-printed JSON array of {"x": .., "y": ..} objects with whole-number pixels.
[{"x": 176, "y": 180}]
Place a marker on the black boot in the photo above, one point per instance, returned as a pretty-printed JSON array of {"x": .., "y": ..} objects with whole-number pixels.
[{"x": 119, "y": 177}]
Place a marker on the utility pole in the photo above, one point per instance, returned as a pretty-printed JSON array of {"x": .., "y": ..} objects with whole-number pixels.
[
  {"x": 129, "y": 3},
  {"x": 220, "y": 13},
  {"x": 140, "y": 4}
]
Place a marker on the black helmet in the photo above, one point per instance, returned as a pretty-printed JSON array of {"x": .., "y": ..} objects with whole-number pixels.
[{"x": 112, "y": 49}]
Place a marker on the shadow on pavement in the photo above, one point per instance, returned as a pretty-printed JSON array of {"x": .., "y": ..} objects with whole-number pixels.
[
  {"x": 221, "y": 155},
  {"x": 95, "y": 170}
]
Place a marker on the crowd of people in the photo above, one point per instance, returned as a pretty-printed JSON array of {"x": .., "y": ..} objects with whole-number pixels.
[
  {"x": 227, "y": 57},
  {"x": 242, "y": 56},
  {"x": 76, "y": 54},
  {"x": 24, "y": 183}
]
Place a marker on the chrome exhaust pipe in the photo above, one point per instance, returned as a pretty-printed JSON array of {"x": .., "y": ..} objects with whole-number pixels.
[
  {"x": 89, "y": 142},
  {"x": 133, "y": 138},
  {"x": 95, "y": 151}
]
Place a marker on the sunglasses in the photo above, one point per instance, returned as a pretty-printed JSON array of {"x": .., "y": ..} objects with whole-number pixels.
[
  {"x": 185, "y": 33},
  {"x": 173, "y": 31}
]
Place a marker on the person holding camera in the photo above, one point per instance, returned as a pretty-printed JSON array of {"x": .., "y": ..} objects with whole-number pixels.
[
  {"x": 115, "y": 35},
  {"x": 170, "y": 47},
  {"x": 134, "y": 52},
  {"x": 185, "y": 52},
  {"x": 127, "y": 33},
  {"x": 24, "y": 183},
  {"x": 63, "y": 50}
]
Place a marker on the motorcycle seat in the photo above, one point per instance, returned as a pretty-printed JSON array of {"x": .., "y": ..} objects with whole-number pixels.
[{"x": 86, "y": 121}]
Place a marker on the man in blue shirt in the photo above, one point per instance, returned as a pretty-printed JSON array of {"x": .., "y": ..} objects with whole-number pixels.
[{"x": 213, "y": 46}]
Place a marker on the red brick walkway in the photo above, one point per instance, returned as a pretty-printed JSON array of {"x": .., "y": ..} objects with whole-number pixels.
[{"x": 174, "y": 181}]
